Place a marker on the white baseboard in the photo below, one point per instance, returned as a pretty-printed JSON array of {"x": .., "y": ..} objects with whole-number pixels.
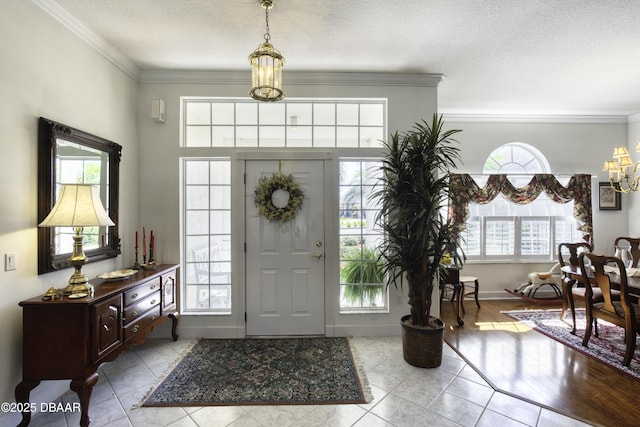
[
  {"x": 192, "y": 332},
  {"x": 497, "y": 295},
  {"x": 364, "y": 330}
]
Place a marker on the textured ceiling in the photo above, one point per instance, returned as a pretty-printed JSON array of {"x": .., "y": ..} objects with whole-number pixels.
[{"x": 498, "y": 56}]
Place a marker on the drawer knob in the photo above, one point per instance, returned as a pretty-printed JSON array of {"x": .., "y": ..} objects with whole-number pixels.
[
  {"x": 134, "y": 313},
  {"x": 135, "y": 328},
  {"x": 134, "y": 296},
  {"x": 152, "y": 287},
  {"x": 153, "y": 302}
]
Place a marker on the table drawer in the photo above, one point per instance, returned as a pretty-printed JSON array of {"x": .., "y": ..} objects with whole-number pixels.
[
  {"x": 140, "y": 292},
  {"x": 142, "y": 323},
  {"x": 132, "y": 312}
]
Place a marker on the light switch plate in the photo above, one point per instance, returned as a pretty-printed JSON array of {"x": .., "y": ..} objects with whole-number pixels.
[{"x": 10, "y": 261}]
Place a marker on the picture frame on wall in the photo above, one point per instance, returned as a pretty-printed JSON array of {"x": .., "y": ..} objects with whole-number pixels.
[{"x": 608, "y": 198}]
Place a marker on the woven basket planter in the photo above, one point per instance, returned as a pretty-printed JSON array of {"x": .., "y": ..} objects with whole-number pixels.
[{"x": 422, "y": 347}]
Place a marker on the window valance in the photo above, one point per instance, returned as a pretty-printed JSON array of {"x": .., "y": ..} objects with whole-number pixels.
[{"x": 465, "y": 190}]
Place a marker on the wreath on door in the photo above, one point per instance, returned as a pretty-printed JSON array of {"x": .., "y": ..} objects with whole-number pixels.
[{"x": 278, "y": 197}]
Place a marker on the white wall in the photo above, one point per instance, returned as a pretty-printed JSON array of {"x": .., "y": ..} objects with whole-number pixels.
[
  {"x": 407, "y": 103},
  {"x": 634, "y": 199},
  {"x": 580, "y": 145},
  {"x": 47, "y": 71}
]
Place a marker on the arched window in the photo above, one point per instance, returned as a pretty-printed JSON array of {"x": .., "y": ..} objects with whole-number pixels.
[
  {"x": 516, "y": 158},
  {"x": 504, "y": 231}
]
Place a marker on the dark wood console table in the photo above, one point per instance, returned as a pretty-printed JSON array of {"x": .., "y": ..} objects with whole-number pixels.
[{"x": 70, "y": 338}]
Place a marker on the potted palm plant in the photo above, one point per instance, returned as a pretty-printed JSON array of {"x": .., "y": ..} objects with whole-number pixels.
[{"x": 413, "y": 195}]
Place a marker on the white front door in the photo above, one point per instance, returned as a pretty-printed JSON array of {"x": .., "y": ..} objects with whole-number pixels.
[{"x": 285, "y": 262}]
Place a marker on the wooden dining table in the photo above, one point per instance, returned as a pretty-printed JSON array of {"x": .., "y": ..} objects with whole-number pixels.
[{"x": 633, "y": 282}]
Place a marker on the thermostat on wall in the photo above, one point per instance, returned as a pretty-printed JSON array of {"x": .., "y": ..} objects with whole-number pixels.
[{"x": 157, "y": 110}]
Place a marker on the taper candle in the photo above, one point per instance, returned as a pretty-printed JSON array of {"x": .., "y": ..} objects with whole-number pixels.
[{"x": 144, "y": 242}]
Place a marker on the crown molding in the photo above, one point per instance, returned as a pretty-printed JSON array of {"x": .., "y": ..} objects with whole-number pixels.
[
  {"x": 634, "y": 118},
  {"x": 537, "y": 118},
  {"x": 294, "y": 78},
  {"x": 365, "y": 79},
  {"x": 54, "y": 9}
]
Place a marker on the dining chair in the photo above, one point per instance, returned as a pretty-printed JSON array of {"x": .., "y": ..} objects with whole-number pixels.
[
  {"x": 634, "y": 244},
  {"x": 568, "y": 254},
  {"x": 615, "y": 305}
]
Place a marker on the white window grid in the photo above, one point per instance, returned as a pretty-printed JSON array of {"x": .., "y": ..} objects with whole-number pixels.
[
  {"x": 358, "y": 231},
  {"x": 242, "y": 123},
  {"x": 517, "y": 238},
  {"x": 206, "y": 244},
  {"x": 294, "y": 123}
]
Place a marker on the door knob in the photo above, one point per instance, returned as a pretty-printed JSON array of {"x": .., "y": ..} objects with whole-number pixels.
[
  {"x": 318, "y": 255},
  {"x": 319, "y": 243}
]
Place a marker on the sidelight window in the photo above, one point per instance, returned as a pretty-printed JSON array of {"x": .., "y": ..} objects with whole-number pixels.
[
  {"x": 361, "y": 280},
  {"x": 206, "y": 226}
]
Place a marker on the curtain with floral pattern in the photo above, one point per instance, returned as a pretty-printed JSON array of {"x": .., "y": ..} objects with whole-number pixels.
[{"x": 465, "y": 190}]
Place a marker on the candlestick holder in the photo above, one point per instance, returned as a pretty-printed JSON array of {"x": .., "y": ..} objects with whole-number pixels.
[{"x": 136, "y": 264}]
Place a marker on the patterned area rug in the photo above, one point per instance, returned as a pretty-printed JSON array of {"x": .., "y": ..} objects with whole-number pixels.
[
  {"x": 278, "y": 371},
  {"x": 608, "y": 348}
]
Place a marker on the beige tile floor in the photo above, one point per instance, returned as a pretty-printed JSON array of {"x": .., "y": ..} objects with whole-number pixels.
[{"x": 450, "y": 395}]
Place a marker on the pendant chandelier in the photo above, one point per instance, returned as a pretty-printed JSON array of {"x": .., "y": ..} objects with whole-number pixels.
[
  {"x": 266, "y": 66},
  {"x": 622, "y": 170}
]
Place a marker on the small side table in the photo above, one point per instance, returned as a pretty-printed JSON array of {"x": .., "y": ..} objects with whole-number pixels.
[{"x": 452, "y": 277}]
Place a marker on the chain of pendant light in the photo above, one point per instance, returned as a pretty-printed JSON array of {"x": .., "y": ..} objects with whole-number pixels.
[{"x": 267, "y": 6}]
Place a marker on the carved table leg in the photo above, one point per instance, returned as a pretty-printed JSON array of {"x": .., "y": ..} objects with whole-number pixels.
[
  {"x": 83, "y": 389},
  {"x": 174, "y": 325},
  {"x": 22, "y": 396},
  {"x": 459, "y": 290}
]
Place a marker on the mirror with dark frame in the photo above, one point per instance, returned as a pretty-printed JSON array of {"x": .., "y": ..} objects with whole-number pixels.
[{"x": 71, "y": 156}]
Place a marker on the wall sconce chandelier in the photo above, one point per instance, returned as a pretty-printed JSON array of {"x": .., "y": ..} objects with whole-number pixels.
[
  {"x": 266, "y": 66},
  {"x": 622, "y": 170}
]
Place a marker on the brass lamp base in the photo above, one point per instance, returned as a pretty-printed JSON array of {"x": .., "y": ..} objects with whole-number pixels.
[
  {"x": 79, "y": 282},
  {"x": 86, "y": 288}
]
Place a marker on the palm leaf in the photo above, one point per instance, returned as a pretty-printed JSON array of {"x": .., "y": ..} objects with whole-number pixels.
[{"x": 413, "y": 194}]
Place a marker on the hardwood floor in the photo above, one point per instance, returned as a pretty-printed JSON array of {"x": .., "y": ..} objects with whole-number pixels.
[{"x": 527, "y": 364}]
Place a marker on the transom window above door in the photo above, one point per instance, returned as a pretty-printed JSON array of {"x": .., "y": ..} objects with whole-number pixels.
[{"x": 294, "y": 123}]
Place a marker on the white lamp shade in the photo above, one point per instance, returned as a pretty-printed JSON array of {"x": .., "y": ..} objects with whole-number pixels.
[
  {"x": 625, "y": 161},
  {"x": 619, "y": 152},
  {"x": 78, "y": 205}
]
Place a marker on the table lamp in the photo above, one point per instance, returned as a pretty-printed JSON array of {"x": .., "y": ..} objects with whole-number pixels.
[{"x": 77, "y": 206}]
